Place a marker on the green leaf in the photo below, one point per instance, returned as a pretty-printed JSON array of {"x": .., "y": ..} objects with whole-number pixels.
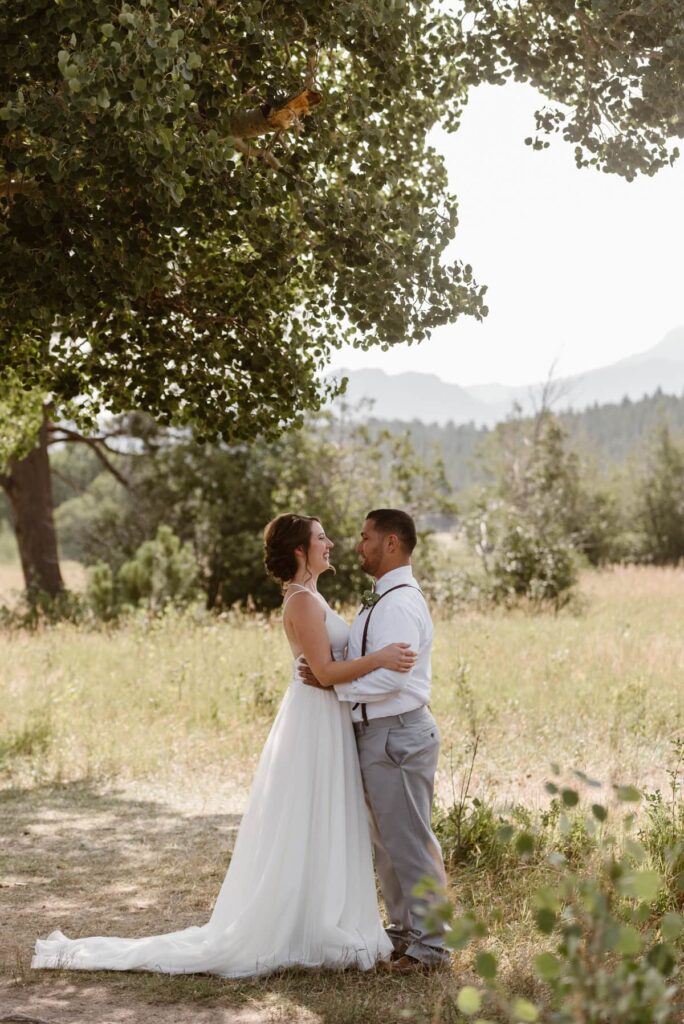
[
  {"x": 628, "y": 794},
  {"x": 524, "y": 843},
  {"x": 524, "y": 1011},
  {"x": 547, "y": 966},
  {"x": 570, "y": 797},
  {"x": 662, "y": 957},
  {"x": 546, "y": 920},
  {"x": 486, "y": 965},
  {"x": 641, "y": 885},
  {"x": 635, "y": 849},
  {"x": 194, "y": 61},
  {"x": 628, "y": 942},
  {"x": 599, "y": 812},
  {"x": 586, "y": 779},
  {"x": 469, "y": 1000},
  {"x": 671, "y": 926}
]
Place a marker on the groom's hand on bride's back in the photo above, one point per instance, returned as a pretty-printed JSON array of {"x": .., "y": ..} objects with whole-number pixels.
[{"x": 307, "y": 676}]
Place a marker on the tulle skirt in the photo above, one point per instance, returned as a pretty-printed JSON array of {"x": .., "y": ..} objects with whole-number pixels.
[{"x": 299, "y": 889}]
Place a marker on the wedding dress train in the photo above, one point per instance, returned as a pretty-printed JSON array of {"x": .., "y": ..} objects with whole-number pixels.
[{"x": 300, "y": 888}]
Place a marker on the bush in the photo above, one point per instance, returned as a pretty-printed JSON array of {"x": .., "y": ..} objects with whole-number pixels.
[
  {"x": 101, "y": 592},
  {"x": 162, "y": 572},
  {"x": 660, "y": 501},
  {"x": 532, "y": 564},
  {"x": 613, "y": 947}
]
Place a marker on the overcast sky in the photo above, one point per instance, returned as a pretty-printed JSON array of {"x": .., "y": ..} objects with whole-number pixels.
[{"x": 582, "y": 267}]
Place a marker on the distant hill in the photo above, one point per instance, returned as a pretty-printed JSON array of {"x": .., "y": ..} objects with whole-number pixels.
[
  {"x": 419, "y": 396},
  {"x": 425, "y": 397},
  {"x": 611, "y": 434}
]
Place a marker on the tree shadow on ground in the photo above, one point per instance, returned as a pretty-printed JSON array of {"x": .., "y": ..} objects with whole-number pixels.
[{"x": 91, "y": 862}]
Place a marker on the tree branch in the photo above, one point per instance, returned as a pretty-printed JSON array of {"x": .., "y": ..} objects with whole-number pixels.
[
  {"x": 249, "y": 124},
  {"x": 261, "y": 154},
  {"x": 9, "y": 188},
  {"x": 94, "y": 443}
]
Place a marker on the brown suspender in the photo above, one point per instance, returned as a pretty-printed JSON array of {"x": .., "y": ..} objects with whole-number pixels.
[{"x": 364, "y": 714}]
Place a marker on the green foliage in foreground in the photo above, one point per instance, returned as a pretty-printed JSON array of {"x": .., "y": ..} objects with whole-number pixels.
[{"x": 615, "y": 954}]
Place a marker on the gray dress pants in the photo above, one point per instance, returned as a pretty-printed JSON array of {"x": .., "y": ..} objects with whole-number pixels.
[{"x": 398, "y": 757}]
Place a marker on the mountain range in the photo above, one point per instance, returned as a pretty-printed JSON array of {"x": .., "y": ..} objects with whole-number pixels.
[{"x": 426, "y": 397}]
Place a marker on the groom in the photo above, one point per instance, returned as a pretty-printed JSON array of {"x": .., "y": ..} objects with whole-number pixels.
[{"x": 397, "y": 737}]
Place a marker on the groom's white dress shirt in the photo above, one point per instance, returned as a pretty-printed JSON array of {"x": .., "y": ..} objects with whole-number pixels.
[{"x": 401, "y": 617}]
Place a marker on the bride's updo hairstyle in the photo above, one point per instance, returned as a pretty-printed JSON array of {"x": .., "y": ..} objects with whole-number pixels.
[{"x": 282, "y": 535}]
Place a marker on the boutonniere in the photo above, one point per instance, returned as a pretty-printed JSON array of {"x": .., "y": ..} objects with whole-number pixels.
[{"x": 368, "y": 599}]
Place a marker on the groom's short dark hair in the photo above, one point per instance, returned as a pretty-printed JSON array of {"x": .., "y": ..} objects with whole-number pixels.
[{"x": 393, "y": 520}]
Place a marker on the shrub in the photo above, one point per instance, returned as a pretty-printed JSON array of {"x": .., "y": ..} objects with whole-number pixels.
[
  {"x": 613, "y": 957},
  {"x": 530, "y": 563},
  {"x": 162, "y": 572}
]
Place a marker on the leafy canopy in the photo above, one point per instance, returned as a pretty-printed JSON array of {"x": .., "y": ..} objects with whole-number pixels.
[
  {"x": 198, "y": 202},
  {"x": 164, "y": 246},
  {"x": 613, "y": 70}
]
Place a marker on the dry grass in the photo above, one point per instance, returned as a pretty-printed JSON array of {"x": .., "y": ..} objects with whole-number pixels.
[
  {"x": 12, "y": 580},
  {"x": 127, "y": 756}
]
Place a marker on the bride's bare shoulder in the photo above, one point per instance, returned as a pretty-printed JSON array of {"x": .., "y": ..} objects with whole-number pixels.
[{"x": 311, "y": 606}]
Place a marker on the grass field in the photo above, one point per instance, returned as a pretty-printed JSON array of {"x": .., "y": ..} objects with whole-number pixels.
[{"x": 126, "y": 756}]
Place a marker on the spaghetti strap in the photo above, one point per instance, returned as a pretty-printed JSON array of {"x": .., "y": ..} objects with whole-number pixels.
[{"x": 300, "y": 590}]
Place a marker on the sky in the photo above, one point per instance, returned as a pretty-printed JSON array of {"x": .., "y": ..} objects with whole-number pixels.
[{"x": 583, "y": 268}]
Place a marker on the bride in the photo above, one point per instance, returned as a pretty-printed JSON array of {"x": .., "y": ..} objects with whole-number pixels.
[{"x": 300, "y": 888}]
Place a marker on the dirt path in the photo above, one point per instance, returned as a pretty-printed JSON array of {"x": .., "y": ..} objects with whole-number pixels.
[{"x": 125, "y": 861}]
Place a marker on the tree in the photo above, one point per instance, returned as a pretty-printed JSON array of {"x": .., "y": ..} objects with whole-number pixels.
[
  {"x": 660, "y": 500},
  {"x": 612, "y": 69},
  {"x": 218, "y": 498},
  {"x": 199, "y": 202},
  {"x": 158, "y": 254},
  {"x": 540, "y": 509}
]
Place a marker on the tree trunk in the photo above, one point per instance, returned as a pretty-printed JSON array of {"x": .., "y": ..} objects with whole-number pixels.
[{"x": 29, "y": 489}]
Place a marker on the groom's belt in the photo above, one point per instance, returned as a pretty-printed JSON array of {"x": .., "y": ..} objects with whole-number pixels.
[{"x": 390, "y": 721}]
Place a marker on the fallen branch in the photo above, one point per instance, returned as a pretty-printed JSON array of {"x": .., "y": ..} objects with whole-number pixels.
[{"x": 21, "y": 1018}]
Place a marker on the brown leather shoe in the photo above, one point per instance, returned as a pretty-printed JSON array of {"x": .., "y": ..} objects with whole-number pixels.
[{"x": 405, "y": 964}]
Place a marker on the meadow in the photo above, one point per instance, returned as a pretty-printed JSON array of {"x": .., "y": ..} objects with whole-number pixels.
[{"x": 126, "y": 756}]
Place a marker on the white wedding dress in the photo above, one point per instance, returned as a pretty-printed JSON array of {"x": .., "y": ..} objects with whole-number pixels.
[{"x": 300, "y": 888}]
